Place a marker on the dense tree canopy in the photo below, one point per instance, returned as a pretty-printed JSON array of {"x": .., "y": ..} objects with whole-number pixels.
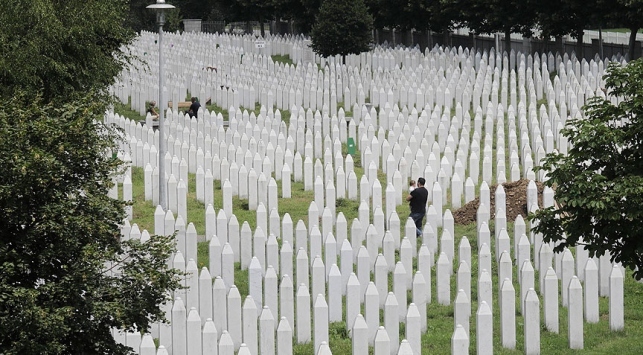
[
  {"x": 571, "y": 17},
  {"x": 141, "y": 18},
  {"x": 629, "y": 14},
  {"x": 599, "y": 183},
  {"x": 555, "y": 18},
  {"x": 504, "y": 16},
  {"x": 65, "y": 277},
  {"x": 343, "y": 27},
  {"x": 399, "y": 14},
  {"x": 59, "y": 232},
  {"x": 61, "y": 48}
]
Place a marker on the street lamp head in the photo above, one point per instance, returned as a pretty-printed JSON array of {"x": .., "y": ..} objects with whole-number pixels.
[
  {"x": 160, "y": 8},
  {"x": 160, "y": 5}
]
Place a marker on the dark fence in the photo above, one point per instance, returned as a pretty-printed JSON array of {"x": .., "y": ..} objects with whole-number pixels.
[
  {"x": 213, "y": 26},
  {"x": 429, "y": 39},
  {"x": 424, "y": 39}
]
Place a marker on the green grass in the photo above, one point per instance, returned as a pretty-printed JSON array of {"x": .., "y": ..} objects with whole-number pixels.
[
  {"x": 285, "y": 59},
  {"x": 619, "y": 30},
  {"x": 143, "y": 211},
  {"x": 285, "y": 114},
  {"x": 126, "y": 110},
  {"x": 218, "y": 109},
  {"x": 598, "y": 338}
]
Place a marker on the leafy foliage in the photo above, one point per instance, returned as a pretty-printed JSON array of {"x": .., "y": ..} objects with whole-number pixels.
[
  {"x": 342, "y": 27},
  {"x": 599, "y": 183},
  {"x": 65, "y": 277},
  {"x": 303, "y": 12},
  {"x": 552, "y": 17},
  {"x": 505, "y": 16},
  {"x": 572, "y": 17},
  {"x": 60, "y": 230},
  {"x": 568, "y": 17},
  {"x": 61, "y": 48},
  {"x": 419, "y": 15},
  {"x": 629, "y": 14}
]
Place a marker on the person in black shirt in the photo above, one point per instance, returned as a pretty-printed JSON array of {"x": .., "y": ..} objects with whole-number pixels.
[
  {"x": 194, "y": 108},
  {"x": 417, "y": 202}
]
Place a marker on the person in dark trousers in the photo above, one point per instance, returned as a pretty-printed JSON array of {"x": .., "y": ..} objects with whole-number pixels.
[
  {"x": 417, "y": 202},
  {"x": 194, "y": 108}
]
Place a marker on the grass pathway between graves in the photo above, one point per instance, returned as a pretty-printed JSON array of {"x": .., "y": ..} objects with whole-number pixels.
[{"x": 437, "y": 340}]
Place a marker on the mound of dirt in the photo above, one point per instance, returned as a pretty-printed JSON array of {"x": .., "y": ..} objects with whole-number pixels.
[{"x": 516, "y": 197}]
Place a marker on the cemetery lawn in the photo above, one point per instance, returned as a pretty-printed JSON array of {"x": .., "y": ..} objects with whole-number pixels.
[
  {"x": 126, "y": 110},
  {"x": 598, "y": 338},
  {"x": 619, "y": 30},
  {"x": 285, "y": 59}
]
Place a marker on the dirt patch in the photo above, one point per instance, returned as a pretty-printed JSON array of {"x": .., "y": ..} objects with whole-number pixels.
[{"x": 516, "y": 197}]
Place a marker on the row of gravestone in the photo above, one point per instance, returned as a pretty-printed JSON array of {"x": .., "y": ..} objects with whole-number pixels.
[
  {"x": 549, "y": 145},
  {"x": 193, "y": 160},
  {"x": 373, "y": 241},
  {"x": 482, "y": 193},
  {"x": 442, "y": 273},
  {"x": 153, "y": 75},
  {"x": 367, "y": 191}
]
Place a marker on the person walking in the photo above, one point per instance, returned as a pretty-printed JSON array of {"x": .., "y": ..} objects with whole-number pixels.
[
  {"x": 417, "y": 203},
  {"x": 194, "y": 107}
]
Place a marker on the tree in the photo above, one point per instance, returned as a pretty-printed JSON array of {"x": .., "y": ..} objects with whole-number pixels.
[
  {"x": 628, "y": 13},
  {"x": 193, "y": 9},
  {"x": 300, "y": 13},
  {"x": 61, "y": 48},
  {"x": 250, "y": 10},
  {"x": 342, "y": 27},
  {"x": 395, "y": 14},
  {"x": 443, "y": 16},
  {"x": 559, "y": 18},
  {"x": 505, "y": 16},
  {"x": 258, "y": 10},
  {"x": 599, "y": 183},
  {"x": 65, "y": 277},
  {"x": 141, "y": 18}
]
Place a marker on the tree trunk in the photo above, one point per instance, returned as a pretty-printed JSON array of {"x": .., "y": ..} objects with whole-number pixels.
[
  {"x": 508, "y": 41},
  {"x": 446, "y": 34},
  {"x": 261, "y": 26},
  {"x": 473, "y": 41},
  {"x": 632, "y": 44},
  {"x": 560, "y": 47},
  {"x": 600, "y": 42},
  {"x": 579, "y": 46}
]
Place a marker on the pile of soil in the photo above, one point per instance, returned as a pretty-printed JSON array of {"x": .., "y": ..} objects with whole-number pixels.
[{"x": 516, "y": 197}]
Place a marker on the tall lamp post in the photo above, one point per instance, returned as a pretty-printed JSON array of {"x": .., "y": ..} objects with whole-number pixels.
[{"x": 160, "y": 8}]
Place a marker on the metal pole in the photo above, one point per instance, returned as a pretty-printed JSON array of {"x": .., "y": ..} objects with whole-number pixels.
[{"x": 162, "y": 142}]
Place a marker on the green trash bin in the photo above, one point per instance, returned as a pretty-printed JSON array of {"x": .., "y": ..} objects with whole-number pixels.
[{"x": 351, "y": 146}]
